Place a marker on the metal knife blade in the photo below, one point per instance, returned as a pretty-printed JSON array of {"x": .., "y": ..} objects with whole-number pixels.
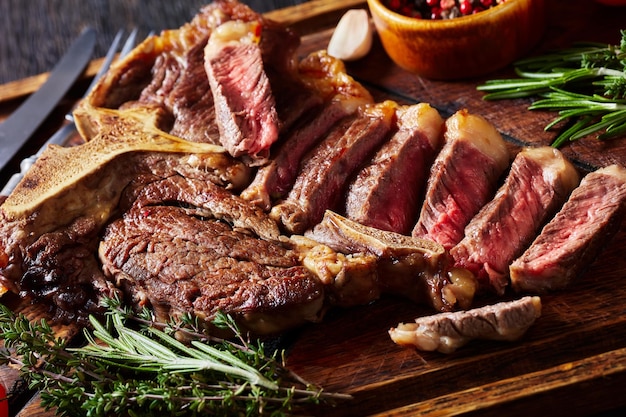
[{"x": 23, "y": 122}]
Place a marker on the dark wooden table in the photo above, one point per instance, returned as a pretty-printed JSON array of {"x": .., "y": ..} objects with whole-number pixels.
[{"x": 572, "y": 362}]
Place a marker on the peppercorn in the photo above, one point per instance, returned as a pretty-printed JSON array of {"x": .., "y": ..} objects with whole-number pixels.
[{"x": 439, "y": 9}]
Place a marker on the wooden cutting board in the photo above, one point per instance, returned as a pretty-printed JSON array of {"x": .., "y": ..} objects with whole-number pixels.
[{"x": 572, "y": 362}]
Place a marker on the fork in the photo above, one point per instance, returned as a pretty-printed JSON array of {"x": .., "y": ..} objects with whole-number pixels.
[{"x": 61, "y": 136}]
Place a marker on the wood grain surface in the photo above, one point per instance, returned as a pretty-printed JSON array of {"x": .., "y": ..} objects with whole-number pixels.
[{"x": 572, "y": 362}]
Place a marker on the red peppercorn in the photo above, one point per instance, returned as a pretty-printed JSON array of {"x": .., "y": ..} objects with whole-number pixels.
[
  {"x": 406, "y": 10},
  {"x": 395, "y": 5},
  {"x": 440, "y": 9},
  {"x": 435, "y": 13},
  {"x": 465, "y": 7}
]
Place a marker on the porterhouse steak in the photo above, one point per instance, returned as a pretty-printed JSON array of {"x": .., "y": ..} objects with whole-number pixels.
[
  {"x": 163, "y": 214},
  {"x": 174, "y": 200}
]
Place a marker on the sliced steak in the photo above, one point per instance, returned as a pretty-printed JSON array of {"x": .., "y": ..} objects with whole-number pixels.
[
  {"x": 244, "y": 104},
  {"x": 279, "y": 45},
  {"x": 167, "y": 71},
  {"x": 342, "y": 96},
  {"x": 539, "y": 182},
  {"x": 179, "y": 84},
  {"x": 409, "y": 267},
  {"x": 446, "y": 332},
  {"x": 274, "y": 180},
  {"x": 385, "y": 193},
  {"x": 463, "y": 178},
  {"x": 328, "y": 167},
  {"x": 573, "y": 238}
]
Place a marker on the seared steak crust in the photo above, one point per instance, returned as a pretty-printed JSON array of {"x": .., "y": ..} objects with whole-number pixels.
[
  {"x": 180, "y": 261},
  {"x": 51, "y": 255}
]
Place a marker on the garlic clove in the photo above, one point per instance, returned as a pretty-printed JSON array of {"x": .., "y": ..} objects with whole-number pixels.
[{"x": 352, "y": 38}]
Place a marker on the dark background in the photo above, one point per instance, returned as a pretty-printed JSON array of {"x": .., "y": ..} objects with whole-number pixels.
[{"x": 35, "y": 33}]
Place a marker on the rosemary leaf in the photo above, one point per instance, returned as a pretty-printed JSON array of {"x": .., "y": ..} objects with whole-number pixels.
[
  {"x": 133, "y": 366},
  {"x": 585, "y": 84}
]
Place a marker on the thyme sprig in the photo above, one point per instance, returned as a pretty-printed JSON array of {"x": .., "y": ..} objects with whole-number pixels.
[
  {"x": 132, "y": 365},
  {"x": 585, "y": 84}
]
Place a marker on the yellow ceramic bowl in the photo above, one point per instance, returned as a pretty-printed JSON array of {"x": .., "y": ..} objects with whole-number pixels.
[{"x": 462, "y": 47}]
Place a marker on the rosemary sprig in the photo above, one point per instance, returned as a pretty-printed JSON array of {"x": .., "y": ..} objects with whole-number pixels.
[
  {"x": 134, "y": 366},
  {"x": 585, "y": 84}
]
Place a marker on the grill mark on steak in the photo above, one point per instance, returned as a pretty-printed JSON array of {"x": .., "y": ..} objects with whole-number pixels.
[
  {"x": 462, "y": 179},
  {"x": 446, "y": 332},
  {"x": 386, "y": 193},
  {"x": 215, "y": 201},
  {"x": 539, "y": 182},
  {"x": 328, "y": 167},
  {"x": 572, "y": 239}
]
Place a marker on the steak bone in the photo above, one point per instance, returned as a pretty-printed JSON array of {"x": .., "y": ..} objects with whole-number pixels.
[{"x": 418, "y": 269}]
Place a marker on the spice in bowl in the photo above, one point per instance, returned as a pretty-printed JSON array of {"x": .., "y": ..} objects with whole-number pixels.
[
  {"x": 440, "y": 9},
  {"x": 470, "y": 45}
]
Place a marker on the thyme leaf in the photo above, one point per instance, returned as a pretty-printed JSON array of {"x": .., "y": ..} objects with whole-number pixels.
[
  {"x": 585, "y": 84},
  {"x": 134, "y": 366}
]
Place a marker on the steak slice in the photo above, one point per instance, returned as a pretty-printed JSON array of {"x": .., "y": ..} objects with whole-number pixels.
[
  {"x": 413, "y": 268},
  {"x": 167, "y": 71},
  {"x": 386, "y": 192},
  {"x": 462, "y": 179},
  {"x": 244, "y": 103},
  {"x": 328, "y": 167},
  {"x": 571, "y": 240},
  {"x": 446, "y": 332},
  {"x": 342, "y": 97},
  {"x": 539, "y": 182}
]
